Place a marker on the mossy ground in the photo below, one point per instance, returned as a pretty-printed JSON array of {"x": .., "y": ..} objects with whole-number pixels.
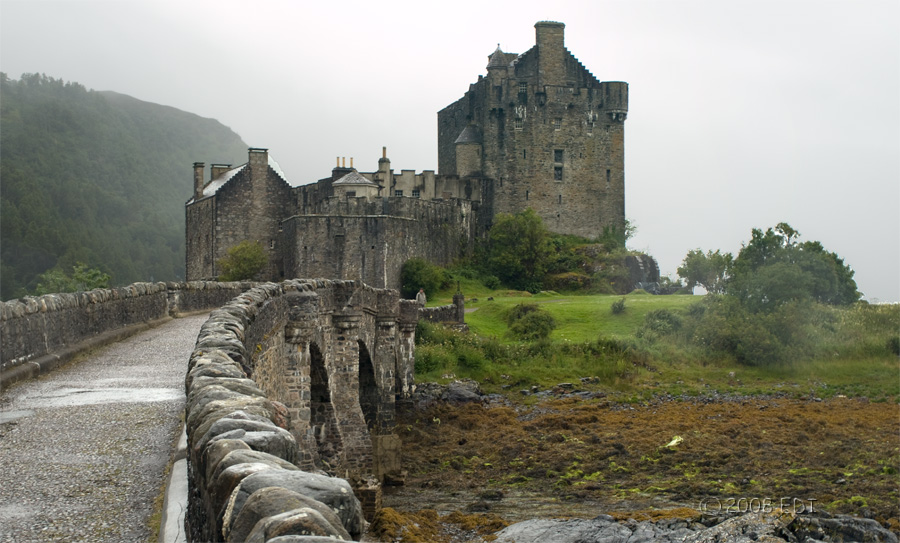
[
  {"x": 841, "y": 453},
  {"x": 818, "y": 431}
]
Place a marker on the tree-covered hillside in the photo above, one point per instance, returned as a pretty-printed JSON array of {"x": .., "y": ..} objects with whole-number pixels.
[{"x": 98, "y": 178}]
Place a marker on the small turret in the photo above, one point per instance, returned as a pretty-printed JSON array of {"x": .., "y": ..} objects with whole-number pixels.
[
  {"x": 615, "y": 99},
  {"x": 469, "y": 152}
]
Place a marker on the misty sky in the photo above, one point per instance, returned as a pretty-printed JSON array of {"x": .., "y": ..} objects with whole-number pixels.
[{"x": 742, "y": 114}]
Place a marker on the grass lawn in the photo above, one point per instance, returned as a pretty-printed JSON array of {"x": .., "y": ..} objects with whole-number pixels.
[{"x": 651, "y": 368}]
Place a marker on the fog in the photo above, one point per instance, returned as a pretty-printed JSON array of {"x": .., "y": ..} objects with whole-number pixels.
[{"x": 742, "y": 114}]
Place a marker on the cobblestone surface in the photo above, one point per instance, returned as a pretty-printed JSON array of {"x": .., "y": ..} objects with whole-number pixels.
[{"x": 84, "y": 449}]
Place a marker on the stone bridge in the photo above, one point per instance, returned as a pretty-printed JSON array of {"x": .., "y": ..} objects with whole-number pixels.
[{"x": 302, "y": 374}]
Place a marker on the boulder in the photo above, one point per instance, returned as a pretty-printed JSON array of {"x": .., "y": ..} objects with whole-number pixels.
[
  {"x": 273, "y": 502},
  {"x": 306, "y": 521},
  {"x": 334, "y": 492}
]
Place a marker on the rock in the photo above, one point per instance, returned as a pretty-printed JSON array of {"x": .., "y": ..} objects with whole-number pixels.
[
  {"x": 334, "y": 492},
  {"x": 300, "y": 522},
  {"x": 564, "y": 531},
  {"x": 768, "y": 527},
  {"x": 216, "y": 451},
  {"x": 259, "y": 433},
  {"x": 221, "y": 488},
  {"x": 463, "y": 391},
  {"x": 302, "y": 539},
  {"x": 273, "y": 502}
]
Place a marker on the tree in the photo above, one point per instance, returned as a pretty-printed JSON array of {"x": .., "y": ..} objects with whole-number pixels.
[
  {"x": 419, "y": 273},
  {"x": 519, "y": 250},
  {"x": 708, "y": 270},
  {"x": 773, "y": 268},
  {"x": 81, "y": 279},
  {"x": 243, "y": 261},
  {"x": 613, "y": 238}
]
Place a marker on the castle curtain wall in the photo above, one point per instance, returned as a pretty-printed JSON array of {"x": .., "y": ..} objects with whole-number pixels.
[{"x": 370, "y": 240}]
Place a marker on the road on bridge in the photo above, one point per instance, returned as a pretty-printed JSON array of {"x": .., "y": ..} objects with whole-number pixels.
[{"x": 84, "y": 449}]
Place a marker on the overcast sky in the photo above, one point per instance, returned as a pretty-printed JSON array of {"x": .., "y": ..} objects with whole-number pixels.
[{"x": 742, "y": 114}]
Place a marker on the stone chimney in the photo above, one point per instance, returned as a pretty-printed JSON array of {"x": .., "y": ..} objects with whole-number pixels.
[
  {"x": 217, "y": 170},
  {"x": 198, "y": 180},
  {"x": 550, "y": 37},
  {"x": 258, "y": 162}
]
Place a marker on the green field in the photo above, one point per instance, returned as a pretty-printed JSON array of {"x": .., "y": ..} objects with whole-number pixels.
[{"x": 605, "y": 349}]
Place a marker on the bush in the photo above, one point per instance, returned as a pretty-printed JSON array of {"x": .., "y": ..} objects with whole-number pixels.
[
  {"x": 419, "y": 273},
  {"x": 529, "y": 322},
  {"x": 491, "y": 282},
  {"x": 660, "y": 321},
  {"x": 618, "y": 307},
  {"x": 242, "y": 262},
  {"x": 894, "y": 345}
]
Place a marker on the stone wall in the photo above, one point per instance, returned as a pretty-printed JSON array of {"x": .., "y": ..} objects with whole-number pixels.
[
  {"x": 281, "y": 377},
  {"x": 370, "y": 240},
  {"x": 39, "y": 333},
  {"x": 552, "y": 137}
]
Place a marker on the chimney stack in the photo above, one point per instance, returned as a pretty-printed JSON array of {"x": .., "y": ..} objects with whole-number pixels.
[
  {"x": 550, "y": 38},
  {"x": 198, "y": 180}
]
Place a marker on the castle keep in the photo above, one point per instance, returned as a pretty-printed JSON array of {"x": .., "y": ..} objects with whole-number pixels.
[{"x": 538, "y": 131}]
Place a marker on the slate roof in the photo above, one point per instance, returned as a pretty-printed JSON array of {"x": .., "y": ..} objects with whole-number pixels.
[
  {"x": 213, "y": 186},
  {"x": 470, "y": 134},
  {"x": 354, "y": 178}
]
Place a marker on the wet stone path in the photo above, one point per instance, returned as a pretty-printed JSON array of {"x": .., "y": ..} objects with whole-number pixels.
[{"x": 84, "y": 449}]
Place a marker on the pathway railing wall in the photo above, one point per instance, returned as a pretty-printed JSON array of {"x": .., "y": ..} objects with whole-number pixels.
[
  {"x": 41, "y": 332},
  {"x": 287, "y": 380}
]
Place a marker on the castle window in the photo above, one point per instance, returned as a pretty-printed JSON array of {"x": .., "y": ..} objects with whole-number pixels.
[
  {"x": 560, "y": 198},
  {"x": 557, "y": 155},
  {"x": 415, "y": 193},
  {"x": 557, "y": 123},
  {"x": 519, "y": 124},
  {"x": 398, "y": 193},
  {"x": 351, "y": 194},
  {"x": 271, "y": 244},
  {"x": 524, "y": 153},
  {"x": 557, "y": 173},
  {"x": 523, "y": 88},
  {"x": 607, "y": 178},
  {"x": 526, "y": 195}
]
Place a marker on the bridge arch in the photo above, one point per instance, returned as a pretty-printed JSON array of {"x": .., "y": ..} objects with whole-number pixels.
[{"x": 369, "y": 391}]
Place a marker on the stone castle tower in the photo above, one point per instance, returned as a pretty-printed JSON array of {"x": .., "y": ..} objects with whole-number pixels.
[
  {"x": 547, "y": 133},
  {"x": 539, "y": 131}
]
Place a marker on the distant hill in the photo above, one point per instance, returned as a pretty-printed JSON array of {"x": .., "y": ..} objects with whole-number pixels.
[{"x": 99, "y": 178}]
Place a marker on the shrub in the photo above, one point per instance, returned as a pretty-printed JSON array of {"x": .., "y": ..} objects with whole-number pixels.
[
  {"x": 491, "y": 282},
  {"x": 618, "y": 307},
  {"x": 419, "y": 273},
  {"x": 660, "y": 321},
  {"x": 894, "y": 345},
  {"x": 529, "y": 322},
  {"x": 242, "y": 262}
]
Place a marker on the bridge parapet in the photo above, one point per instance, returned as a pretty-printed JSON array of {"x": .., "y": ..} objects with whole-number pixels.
[
  {"x": 38, "y": 333},
  {"x": 299, "y": 375}
]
